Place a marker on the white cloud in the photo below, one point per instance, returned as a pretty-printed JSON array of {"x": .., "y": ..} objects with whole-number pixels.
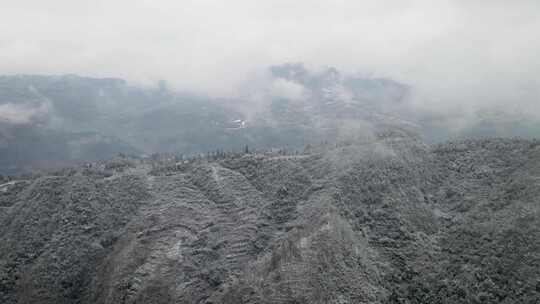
[
  {"x": 21, "y": 114},
  {"x": 287, "y": 89},
  {"x": 455, "y": 53}
]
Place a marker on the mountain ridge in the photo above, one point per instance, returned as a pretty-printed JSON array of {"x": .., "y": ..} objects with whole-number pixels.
[
  {"x": 390, "y": 220},
  {"x": 289, "y": 106}
]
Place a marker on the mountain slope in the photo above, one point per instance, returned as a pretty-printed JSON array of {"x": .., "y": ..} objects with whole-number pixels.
[
  {"x": 25, "y": 149},
  {"x": 290, "y": 107},
  {"x": 390, "y": 220}
]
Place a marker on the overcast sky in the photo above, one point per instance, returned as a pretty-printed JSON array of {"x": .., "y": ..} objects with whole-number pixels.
[{"x": 471, "y": 52}]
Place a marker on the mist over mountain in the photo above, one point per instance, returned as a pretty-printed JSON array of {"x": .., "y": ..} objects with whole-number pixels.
[
  {"x": 62, "y": 120},
  {"x": 270, "y": 152}
]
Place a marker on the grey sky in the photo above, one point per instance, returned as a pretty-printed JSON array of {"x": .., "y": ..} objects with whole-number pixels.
[{"x": 478, "y": 53}]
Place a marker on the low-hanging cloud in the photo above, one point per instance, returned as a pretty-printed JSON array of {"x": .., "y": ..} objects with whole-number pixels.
[
  {"x": 455, "y": 54},
  {"x": 23, "y": 114},
  {"x": 282, "y": 88}
]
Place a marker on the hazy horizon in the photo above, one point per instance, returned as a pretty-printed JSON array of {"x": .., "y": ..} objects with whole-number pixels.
[{"x": 452, "y": 53}]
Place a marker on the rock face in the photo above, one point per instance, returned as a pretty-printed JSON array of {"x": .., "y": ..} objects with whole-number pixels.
[{"x": 386, "y": 221}]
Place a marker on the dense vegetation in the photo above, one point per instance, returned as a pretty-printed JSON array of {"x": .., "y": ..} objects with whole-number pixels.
[{"x": 386, "y": 220}]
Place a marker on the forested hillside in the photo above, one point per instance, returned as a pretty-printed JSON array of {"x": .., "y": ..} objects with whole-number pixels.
[{"x": 384, "y": 220}]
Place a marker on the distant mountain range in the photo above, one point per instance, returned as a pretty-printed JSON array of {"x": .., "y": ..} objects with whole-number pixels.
[{"x": 52, "y": 121}]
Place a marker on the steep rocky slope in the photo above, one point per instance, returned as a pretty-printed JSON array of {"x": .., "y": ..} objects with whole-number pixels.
[{"x": 390, "y": 220}]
